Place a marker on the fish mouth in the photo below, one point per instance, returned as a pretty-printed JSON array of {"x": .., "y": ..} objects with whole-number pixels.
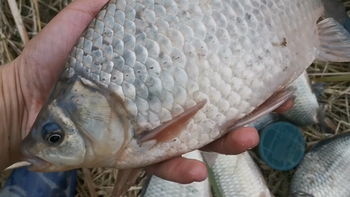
[{"x": 37, "y": 164}]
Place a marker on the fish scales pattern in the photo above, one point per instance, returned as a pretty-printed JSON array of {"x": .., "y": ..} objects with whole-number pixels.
[
  {"x": 306, "y": 106},
  {"x": 324, "y": 171},
  {"x": 163, "y": 57},
  {"x": 238, "y": 175}
]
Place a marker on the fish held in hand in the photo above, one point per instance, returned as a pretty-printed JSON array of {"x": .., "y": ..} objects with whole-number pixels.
[{"x": 153, "y": 80}]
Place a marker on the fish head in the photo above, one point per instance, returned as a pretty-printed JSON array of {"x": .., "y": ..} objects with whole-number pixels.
[{"x": 78, "y": 126}]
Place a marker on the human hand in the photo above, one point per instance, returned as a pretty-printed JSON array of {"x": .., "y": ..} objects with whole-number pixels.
[
  {"x": 183, "y": 170},
  {"x": 35, "y": 71},
  {"x": 26, "y": 82}
]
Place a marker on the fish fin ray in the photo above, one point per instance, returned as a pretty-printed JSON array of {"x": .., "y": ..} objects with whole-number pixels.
[
  {"x": 276, "y": 100},
  {"x": 171, "y": 129},
  {"x": 334, "y": 41},
  {"x": 125, "y": 179}
]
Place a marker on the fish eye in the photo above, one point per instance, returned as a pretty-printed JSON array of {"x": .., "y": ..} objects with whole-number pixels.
[
  {"x": 52, "y": 133},
  {"x": 54, "y": 138}
]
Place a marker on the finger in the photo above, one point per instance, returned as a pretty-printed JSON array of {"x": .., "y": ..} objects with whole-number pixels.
[
  {"x": 285, "y": 107},
  {"x": 180, "y": 170},
  {"x": 235, "y": 142},
  {"x": 46, "y": 53}
]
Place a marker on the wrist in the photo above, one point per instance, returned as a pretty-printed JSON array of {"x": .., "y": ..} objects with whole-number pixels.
[{"x": 11, "y": 119}]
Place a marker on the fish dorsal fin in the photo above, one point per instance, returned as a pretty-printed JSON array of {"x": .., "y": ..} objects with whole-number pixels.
[
  {"x": 171, "y": 129},
  {"x": 334, "y": 41},
  {"x": 268, "y": 106},
  {"x": 125, "y": 179}
]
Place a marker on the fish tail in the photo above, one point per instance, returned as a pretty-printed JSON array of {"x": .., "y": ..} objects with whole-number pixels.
[
  {"x": 318, "y": 88},
  {"x": 324, "y": 122}
]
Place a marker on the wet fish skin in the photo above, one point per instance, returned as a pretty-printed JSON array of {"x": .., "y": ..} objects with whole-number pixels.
[
  {"x": 306, "y": 107},
  {"x": 324, "y": 170},
  {"x": 150, "y": 81},
  {"x": 158, "y": 187},
  {"x": 238, "y": 175}
]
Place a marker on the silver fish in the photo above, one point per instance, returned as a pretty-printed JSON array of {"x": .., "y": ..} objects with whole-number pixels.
[
  {"x": 158, "y": 187},
  {"x": 151, "y": 80},
  {"x": 237, "y": 175},
  {"x": 306, "y": 110},
  {"x": 324, "y": 170}
]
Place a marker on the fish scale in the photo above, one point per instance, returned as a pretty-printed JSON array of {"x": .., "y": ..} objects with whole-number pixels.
[
  {"x": 163, "y": 57},
  {"x": 324, "y": 170}
]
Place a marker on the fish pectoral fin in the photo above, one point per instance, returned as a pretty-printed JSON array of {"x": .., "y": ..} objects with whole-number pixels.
[
  {"x": 334, "y": 41},
  {"x": 171, "y": 129},
  {"x": 125, "y": 179},
  {"x": 276, "y": 100}
]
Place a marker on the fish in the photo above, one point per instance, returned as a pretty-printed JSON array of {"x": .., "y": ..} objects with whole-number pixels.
[
  {"x": 306, "y": 110},
  {"x": 237, "y": 175},
  {"x": 265, "y": 120},
  {"x": 324, "y": 170},
  {"x": 148, "y": 81},
  {"x": 158, "y": 187}
]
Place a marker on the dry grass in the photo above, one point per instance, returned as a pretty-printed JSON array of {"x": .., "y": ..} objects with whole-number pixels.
[{"x": 20, "y": 20}]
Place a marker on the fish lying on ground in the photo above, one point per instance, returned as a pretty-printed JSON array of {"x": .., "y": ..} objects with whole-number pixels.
[
  {"x": 237, "y": 175},
  {"x": 158, "y": 187},
  {"x": 306, "y": 110},
  {"x": 324, "y": 170},
  {"x": 148, "y": 81}
]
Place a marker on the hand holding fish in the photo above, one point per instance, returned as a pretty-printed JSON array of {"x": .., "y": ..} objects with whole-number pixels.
[{"x": 26, "y": 82}]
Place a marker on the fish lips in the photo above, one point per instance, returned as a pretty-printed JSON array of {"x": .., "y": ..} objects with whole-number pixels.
[{"x": 37, "y": 164}]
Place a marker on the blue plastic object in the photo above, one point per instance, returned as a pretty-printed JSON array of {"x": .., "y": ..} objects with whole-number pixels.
[
  {"x": 347, "y": 23},
  {"x": 282, "y": 146},
  {"x": 24, "y": 183}
]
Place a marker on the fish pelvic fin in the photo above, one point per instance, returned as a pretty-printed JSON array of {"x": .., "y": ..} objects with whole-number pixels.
[
  {"x": 171, "y": 129},
  {"x": 334, "y": 42},
  {"x": 276, "y": 100},
  {"x": 125, "y": 179}
]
